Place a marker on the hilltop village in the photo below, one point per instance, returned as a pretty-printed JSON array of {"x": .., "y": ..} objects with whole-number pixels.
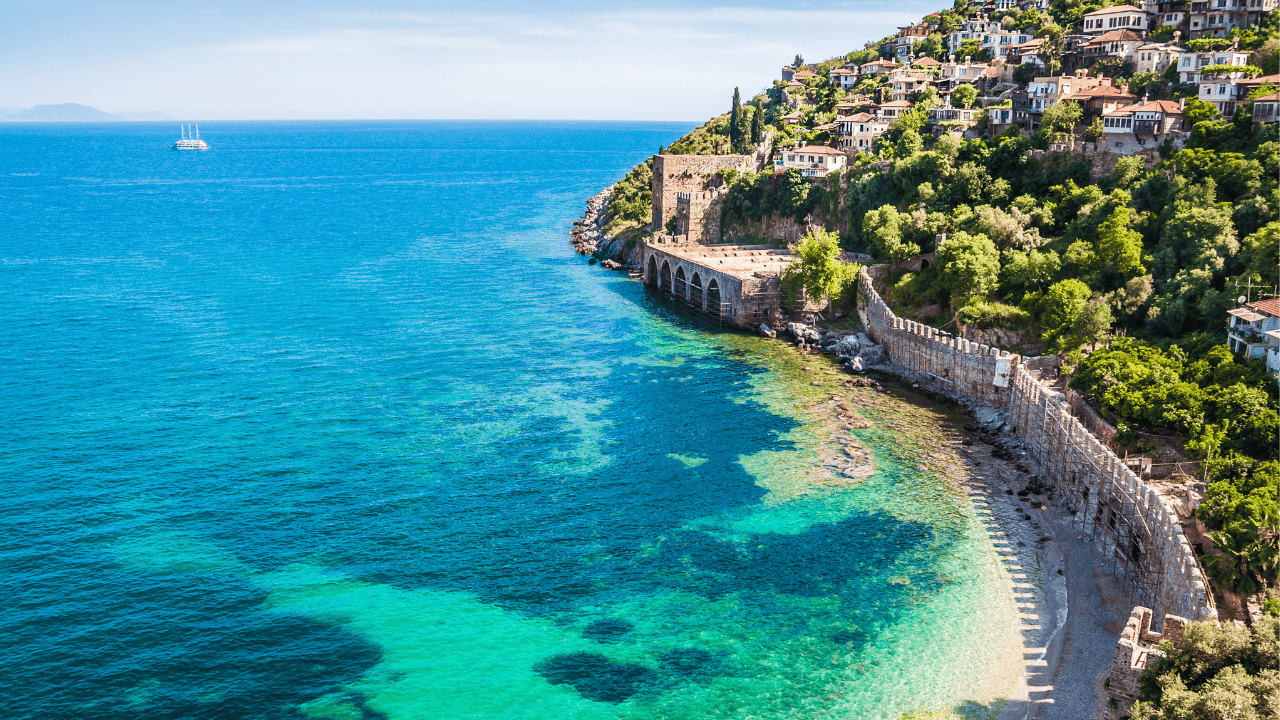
[{"x": 1008, "y": 186}]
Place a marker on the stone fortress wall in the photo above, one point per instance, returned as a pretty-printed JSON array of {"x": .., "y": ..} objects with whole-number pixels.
[
  {"x": 1132, "y": 526},
  {"x": 1135, "y": 652},
  {"x": 677, "y": 174},
  {"x": 698, "y": 216},
  {"x": 682, "y": 187}
]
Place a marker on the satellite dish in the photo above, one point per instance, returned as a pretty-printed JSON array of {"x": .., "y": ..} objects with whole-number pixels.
[{"x": 1241, "y": 299}]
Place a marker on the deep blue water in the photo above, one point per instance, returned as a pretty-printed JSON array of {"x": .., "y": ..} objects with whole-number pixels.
[{"x": 329, "y": 421}]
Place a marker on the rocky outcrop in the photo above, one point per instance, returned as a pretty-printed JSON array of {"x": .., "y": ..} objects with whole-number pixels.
[
  {"x": 857, "y": 350},
  {"x": 589, "y": 237}
]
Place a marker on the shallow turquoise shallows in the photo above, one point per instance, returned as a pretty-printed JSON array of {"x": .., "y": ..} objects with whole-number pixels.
[{"x": 328, "y": 421}]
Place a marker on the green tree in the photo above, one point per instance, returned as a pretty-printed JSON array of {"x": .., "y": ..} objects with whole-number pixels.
[
  {"x": 1119, "y": 248},
  {"x": 1093, "y": 323},
  {"x": 757, "y": 129},
  {"x": 818, "y": 270},
  {"x": 1197, "y": 111},
  {"x": 885, "y": 229},
  {"x": 798, "y": 62},
  {"x": 964, "y": 95},
  {"x": 1214, "y": 672},
  {"x": 1062, "y": 306},
  {"x": 735, "y": 122},
  {"x": 1060, "y": 120},
  {"x": 968, "y": 266}
]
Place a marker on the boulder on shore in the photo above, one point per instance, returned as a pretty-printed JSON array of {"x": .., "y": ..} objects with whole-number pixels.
[
  {"x": 848, "y": 346},
  {"x": 871, "y": 354},
  {"x": 804, "y": 334},
  {"x": 767, "y": 331}
]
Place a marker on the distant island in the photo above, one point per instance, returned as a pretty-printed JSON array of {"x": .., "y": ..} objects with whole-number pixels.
[{"x": 73, "y": 112}]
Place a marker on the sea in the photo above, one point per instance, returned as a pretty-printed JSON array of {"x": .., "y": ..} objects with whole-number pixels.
[{"x": 329, "y": 421}]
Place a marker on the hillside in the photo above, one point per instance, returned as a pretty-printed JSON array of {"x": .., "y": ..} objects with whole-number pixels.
[
  {"x": 73, "y": 112},
  {"x": 1009, "y": 210}
]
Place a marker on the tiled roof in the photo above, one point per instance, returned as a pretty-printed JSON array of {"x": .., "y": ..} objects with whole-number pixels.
[
  {"x": 1114, "y": 9},
  {"x": 1273, "y": 97},
  {"x": 1116, "y": 36},
  {"x": 926, "y": 62},
  {"x": 1270, "y": 307},
  {"x": 817, "y": 149},
  {"x": 1161, "y": 106},
  {"x": 1105, "y": 91},
  {"x": 806, "y": 74},
  {"x": 861, "y": 117}
]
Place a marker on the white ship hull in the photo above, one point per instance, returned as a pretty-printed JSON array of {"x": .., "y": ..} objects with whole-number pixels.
[{"x": 190, "y": 141}]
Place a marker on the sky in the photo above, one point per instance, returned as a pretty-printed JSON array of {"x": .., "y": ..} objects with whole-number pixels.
[{"x": 282, "y": 59}]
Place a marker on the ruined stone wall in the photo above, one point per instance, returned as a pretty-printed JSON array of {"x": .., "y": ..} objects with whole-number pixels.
[
  {"x": 1132, "y": 526},
  {"x": 698, "y": 216},
  {"x": 1135, "y": 651},
  {"x": 675, "y": 174},
  {"x": 782, "y": 230}
]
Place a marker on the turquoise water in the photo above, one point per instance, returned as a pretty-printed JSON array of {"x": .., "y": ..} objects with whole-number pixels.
[{"x": 329, "y": 422}]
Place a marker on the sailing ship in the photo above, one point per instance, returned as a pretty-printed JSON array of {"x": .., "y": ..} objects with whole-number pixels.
[{"x": 190, "y": 140}]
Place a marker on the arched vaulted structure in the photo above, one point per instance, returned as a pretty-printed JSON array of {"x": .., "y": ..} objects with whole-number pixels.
[
  {"x": 713, "y": 297},
  {"x": 738, "y": 284}
]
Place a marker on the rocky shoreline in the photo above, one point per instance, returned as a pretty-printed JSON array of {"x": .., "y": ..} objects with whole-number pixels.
[
  {"x": 1067, "y": 654},
  {"x": 590, "y": 238}
]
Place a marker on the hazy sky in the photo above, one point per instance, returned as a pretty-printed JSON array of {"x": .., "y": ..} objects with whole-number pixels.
[{"x": 276, "y": 59}]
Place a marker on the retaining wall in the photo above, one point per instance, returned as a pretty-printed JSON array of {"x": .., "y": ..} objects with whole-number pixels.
[{"x": 1132, "y": 526}]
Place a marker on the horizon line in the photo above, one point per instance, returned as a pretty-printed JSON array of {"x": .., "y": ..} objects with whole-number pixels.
[{"x": 4, "y": 122}]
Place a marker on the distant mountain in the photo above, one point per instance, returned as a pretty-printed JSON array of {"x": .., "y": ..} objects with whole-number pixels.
[{"x": 72, "y": 112}]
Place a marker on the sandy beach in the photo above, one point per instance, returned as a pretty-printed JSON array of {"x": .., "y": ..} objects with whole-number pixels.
[{"x": 1069, "y": 612}]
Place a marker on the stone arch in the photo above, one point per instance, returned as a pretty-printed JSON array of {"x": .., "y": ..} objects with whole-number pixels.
[
  {"x": 695, "y": 291},
  {"x": 665, "y": 277},
  {"x": 713, "y": 297},
  {"x": 681, "y": 287},
  {"x": 652, "y": 276}
]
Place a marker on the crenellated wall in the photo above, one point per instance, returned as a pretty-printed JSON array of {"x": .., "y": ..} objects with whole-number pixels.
[
  {"x": 1135, "y": 652},
  {"x": 698, "y": 216},
  {"x": 1129, "y": 523}
]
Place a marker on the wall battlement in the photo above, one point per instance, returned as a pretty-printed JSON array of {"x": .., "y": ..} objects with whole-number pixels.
[
  {"x": 1132, "y": 526},
  {"x": 1135, "y": 651}
]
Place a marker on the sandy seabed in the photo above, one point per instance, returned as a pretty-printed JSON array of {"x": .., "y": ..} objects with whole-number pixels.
[{"x": 1069, "y": 614}]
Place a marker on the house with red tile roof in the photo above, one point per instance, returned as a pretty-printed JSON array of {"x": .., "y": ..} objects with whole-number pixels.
[{"x": 1254, "y": 330}]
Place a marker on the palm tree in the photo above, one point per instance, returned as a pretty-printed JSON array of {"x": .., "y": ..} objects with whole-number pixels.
[{"x": 1231, "y": 569}]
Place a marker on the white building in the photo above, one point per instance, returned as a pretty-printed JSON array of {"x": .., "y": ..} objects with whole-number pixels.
[
  {"x": 1190, "y": 63},
  {"x": 1266, "y": 109},
  {"x": 1255, "y": 330},
  {"x": 812, "y": 160},
  {"x": 1215, "y": 18},
  {"x": 1116, "y": 17},
  {"x": 859, "y": 131},
  {"x": 989, "y": 33},
  {"x": 1045, "y": 92},
  {"x": 1156, "y": 58},
  {"x": 844, "y": 78},
  {"x": 1222, "y": 89},
  {"x": 876, "y": 67}
]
